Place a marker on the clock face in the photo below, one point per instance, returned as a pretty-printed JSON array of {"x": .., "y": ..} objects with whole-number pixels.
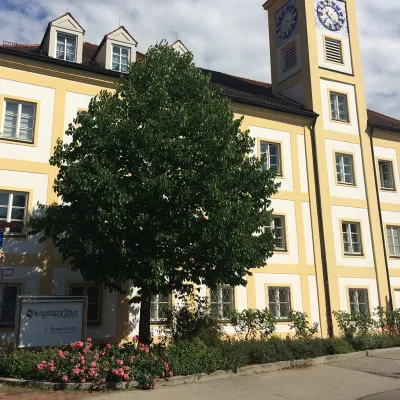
[
  {"x": 330, "y": 15},
  {"x": 286, "y": 21}
]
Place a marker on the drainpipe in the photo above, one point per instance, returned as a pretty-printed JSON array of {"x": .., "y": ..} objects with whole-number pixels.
[
  {"x": 380, "y": 216},
  {"x": 321, "y": 230}
]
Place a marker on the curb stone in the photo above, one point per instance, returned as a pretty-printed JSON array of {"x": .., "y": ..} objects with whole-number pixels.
[
  {"x": 203, "y": 377},
  {"x": 63, "y": 386}
]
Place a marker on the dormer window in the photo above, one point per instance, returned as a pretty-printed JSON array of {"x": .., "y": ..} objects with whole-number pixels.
[
  {"x": 66, "y": 47},
  {"x": 120, "y": 58}
]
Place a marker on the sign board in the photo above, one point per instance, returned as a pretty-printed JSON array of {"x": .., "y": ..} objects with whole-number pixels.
[{"x": 45, "y": 321}]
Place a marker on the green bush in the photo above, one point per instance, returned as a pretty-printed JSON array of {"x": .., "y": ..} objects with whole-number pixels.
[
  {"x": 252, "y": 323},
  {"x": 301, "y": 325},
  {"x": 194, "y": 356},
  {"x": 192, "y": 319}
]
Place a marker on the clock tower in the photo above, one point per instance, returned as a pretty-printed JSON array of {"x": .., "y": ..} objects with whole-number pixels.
[{"x": 315, "y": 61}]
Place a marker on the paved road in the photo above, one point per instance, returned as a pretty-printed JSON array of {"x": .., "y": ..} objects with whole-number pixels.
[{"x": 371, "y": 378}]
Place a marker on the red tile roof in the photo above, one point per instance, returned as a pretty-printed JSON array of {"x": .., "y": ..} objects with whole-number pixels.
[
  {"x": 383, "y": 121},
  {"x": 237, "y": 88}
]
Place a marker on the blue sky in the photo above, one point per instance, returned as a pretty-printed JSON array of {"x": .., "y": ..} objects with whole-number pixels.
[{"x": 226, "y": 35}]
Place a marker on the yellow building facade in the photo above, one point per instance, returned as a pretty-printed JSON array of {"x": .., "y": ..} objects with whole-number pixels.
[{"x": 337, "y": 213}]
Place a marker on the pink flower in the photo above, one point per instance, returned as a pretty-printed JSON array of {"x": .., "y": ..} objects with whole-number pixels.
[
  {"x": 93, "y": 364},
  {"x": 83, "y": 380},
  {"x": 126, "y": 368},
  {"x": 132, "y": 359},
  {"x": 108, "y": 346},
  {"x": 65, "y": 379},
  {"x": 136, "y": 338},
  {"x": 120, "y": 362},
  {"x": 112, "y": 358},
  {"x": 126, "y": 377},
  {"x": 52, "y": 368},
  {"x": 43, "y": 362},
  {"x": 61, "y": 353},
  {"x": 171, "y": 374},
  {"x": 162, "y": 373},
  {"x": 89, "y": 340}
]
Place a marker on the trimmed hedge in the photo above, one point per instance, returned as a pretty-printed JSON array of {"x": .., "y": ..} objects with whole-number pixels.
[{"x": 187, "y": 357}]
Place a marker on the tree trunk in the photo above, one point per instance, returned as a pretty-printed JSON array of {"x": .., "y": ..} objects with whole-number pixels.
[{"x": 144, "y": 321}]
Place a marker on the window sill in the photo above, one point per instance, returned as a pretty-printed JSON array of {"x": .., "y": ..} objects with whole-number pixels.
[
  {"x": 16, "y": 236},
  {"x": 388, "y": 189},
  {"x": 283, "y": 321},
  {"x": 347, "y": 184},
  {"x": 17, "y": 141},
  {"x": 395, "y": 257},
  {"x": 281, "y": 250},
  {"x": 353, "y": 255}
]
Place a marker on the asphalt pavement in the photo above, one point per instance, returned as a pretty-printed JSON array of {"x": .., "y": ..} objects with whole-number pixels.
[{"x": 367, "y": 378}]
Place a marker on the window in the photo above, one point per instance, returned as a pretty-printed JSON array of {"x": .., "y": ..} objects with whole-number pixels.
[
  {"x": 359, "y": 301},
  {"x": 344, "y": 169},
  {"x": 393, "y": 235},
  {"x": 333, "y": 50},
  {"x": 339, "y": 109},
  {"x": 19, "y": 120},
  {"x": 271, "y": 156},
  {"x": 66, "y": 47},
  {"x": 13, "y": 212},
  {"x": 289, "y": 56},
  {"x": 8, "y": 303},
  {"x": 93, "y": 293},
  {"x": 222, "y": 302},
  {"x": 278, "y": 228},
  {"x": 120, "y": 59},
  {"x": 159, "y": 307},
  {"x": 279, "y": 302},
  {"x": 351, "y": 238},
  {"x": 386, "y": 175}
]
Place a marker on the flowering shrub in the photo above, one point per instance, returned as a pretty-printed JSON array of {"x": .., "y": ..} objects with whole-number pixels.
[{"x": 82, "y": 362}]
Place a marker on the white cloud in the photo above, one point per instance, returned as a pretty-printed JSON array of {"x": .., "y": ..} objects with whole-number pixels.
[{"x": 226, "y": 35}]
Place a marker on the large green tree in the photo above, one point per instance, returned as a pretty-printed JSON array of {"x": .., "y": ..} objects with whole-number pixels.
[{"x": 159, "y": 186}]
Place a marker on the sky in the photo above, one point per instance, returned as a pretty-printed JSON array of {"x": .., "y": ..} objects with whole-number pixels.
[{"x": 229, "y": 36}]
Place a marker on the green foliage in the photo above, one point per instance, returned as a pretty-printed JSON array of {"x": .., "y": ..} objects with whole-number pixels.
[
  {"x": 82, "y": 362},
  {"x": 192, "y": 319},
  {"x": 194, "y": 357},
  {"x": 354, "y": 326},
  {"x": 251, "y": 323},
  {"x": 301, "y": 325},
  {"x": 158, "y": 185}
]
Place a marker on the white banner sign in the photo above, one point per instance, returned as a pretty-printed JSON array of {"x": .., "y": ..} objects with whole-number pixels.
[{"x": 45, "y": 321}]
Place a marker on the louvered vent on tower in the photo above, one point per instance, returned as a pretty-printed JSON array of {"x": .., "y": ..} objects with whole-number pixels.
[
  {"x": 333, "y": 50},
  {"x": 289, "y": 56}
]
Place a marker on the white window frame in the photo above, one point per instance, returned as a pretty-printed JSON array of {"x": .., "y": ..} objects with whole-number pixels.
[
  {"x": 155, "y": 302},
  {"x": 2, "y": 285},
  {"x": 120, "y": 58},
  {"x": 276, "y": 310},
  {"x": 10, "y": 206},
  {"x": 356, "y": 306},
  {"x": 66, "y": 36},
  {"x": 392, "y": 231},
  {"x": 219, "y": 304},
  {"x": 388, "y": 182},
  {"x": 266, "y": 156},
  {"x": 282, "y": 228},
  {"x": 335, "y": 113},
  {"x": 350, "y": 233},
  {"x": 18, "y": 123},
  {"x": 99, "y": 303},
  {"x": 341, "y": 174}
]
